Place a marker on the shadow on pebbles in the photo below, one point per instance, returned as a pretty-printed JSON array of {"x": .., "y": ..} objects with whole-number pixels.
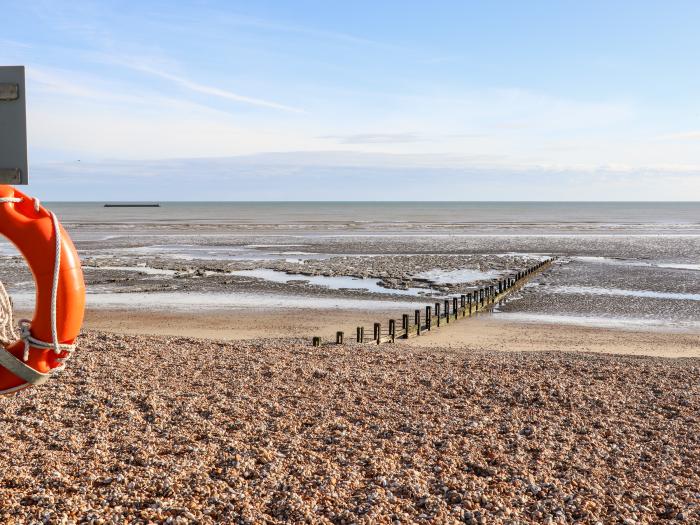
[{"x": 172, "y": 430}]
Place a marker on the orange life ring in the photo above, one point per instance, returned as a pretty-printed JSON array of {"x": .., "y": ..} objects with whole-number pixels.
[{"x": 47, "y": 341}]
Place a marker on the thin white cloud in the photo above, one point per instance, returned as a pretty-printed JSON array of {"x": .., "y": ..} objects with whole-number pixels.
[
  {"x": 330, "y": 176},
  {"x": 214, "y": 91},
  {"x": 683, "y": 135},
  {"x": 376, "y": 138},
  {"x": 75, "y": 84}
]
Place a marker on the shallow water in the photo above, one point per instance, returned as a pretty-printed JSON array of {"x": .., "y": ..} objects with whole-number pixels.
[
  {"x": 598, "y": 291},
  {"x": 631, "y": 264},
  {"x": 458, "y": 276},
  {"x": 239, "y": 301},
  {"x": 334, "y": 283}
]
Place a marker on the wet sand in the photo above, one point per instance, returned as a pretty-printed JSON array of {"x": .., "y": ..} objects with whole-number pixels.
[{"x": 483, "y": 331}]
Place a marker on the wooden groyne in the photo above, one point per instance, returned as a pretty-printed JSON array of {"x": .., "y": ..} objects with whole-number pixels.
[{"x": 443, "y": 312}]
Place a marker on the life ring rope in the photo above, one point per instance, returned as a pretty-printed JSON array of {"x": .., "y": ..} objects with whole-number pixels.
[{"x": 8, "y": 360}]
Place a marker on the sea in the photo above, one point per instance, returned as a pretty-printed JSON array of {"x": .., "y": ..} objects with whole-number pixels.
[{"x": 621, "y": 264}]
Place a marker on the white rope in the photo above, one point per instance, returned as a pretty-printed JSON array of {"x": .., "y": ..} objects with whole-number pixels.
[
  {"x": 7, "y": 322},
  {"x": 25, "y": 333}
]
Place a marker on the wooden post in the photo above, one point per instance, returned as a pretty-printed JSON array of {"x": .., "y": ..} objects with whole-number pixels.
[
  {"x": 417, "y": 313},
  {"x": 447, "y": 310},
  {"x": 455, "y": 308},
  {"x": 316, "y": 341},
  {"x": 437, "y": 313},
  {"x": 392, "y": 330},
  {"x": 428, "y": 318},
  {"x": 360, "y": 334},
  {"x": 404, "y": 324},
  {"x": 339, "y": 338},
  {"x": 377, "y": 332},
  {"x": 469, "y": 300}
]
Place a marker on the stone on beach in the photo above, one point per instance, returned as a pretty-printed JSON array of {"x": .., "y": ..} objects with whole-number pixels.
[{"x": 179, "y": 430}]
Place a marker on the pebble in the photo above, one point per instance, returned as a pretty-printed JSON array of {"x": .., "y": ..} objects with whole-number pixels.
[{"x": 184, "y": 431}]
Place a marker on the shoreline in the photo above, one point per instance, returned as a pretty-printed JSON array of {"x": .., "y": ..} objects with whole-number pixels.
[{"x": 485, "y": 330}]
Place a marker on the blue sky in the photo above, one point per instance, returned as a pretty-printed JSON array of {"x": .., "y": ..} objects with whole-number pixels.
[{"x": 539, "y": 100}]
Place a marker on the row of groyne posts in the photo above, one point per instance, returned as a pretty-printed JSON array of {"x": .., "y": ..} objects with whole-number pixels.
[{"x": 445, "y": 311}]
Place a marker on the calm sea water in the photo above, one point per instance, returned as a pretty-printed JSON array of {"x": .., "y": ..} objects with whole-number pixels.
[{"x": 684, "y": 216}]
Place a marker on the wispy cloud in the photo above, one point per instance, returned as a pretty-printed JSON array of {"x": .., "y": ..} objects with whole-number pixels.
[
  {"x": 76, "y": 84},
  {"x": 215, "y": 91},
  {"x": 345, "y": 176},
  {"x": 286, "y": 27},
  {"x": 683, "y": 135},
  {"x": 376, "y": 138},
  {"x": 143, "y": 65}
]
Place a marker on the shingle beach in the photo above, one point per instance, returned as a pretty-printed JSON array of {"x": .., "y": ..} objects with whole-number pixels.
[{"x": 177, "y": 430}]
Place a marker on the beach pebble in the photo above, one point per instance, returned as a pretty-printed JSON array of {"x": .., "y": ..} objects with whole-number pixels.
[{"x": 179, "y": 430}]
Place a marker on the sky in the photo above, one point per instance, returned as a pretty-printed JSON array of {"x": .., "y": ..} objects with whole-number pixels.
[{"x": 362, "y": 100}]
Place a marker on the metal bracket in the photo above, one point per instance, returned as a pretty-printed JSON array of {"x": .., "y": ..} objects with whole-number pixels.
[
  {"x": 9, "y": 91},
  {"x": 10, "y": 176}
]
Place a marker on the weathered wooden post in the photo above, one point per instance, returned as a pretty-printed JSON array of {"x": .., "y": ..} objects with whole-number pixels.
[
  {"x": 469, "y": 300},
  {"x": 447, "y": 310},
  {"x": 428, "y": 318},
  {"x": 482, "y": 297},
  {"x": 417, "y": 314},
  {"x": 463, "y": 302},
  {"x": 316, "y": 341},
  {"x": 455, "y": 308},
  {"x": 377, "y": 332},
  {"x": 437, "y": 313},
  {"x": 404, "y": 324},
  {"x": 339, "y": 338},
  {"x": 360, "y": 334},
  {"x": 392, "y": 330}
]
